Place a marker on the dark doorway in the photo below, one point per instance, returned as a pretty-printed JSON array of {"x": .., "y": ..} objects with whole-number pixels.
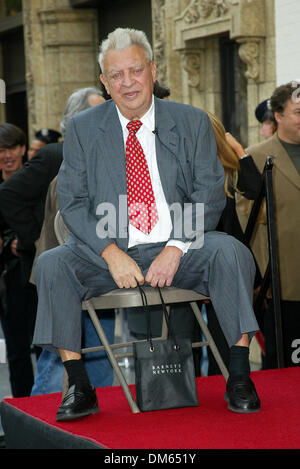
[
  {"x": 234, "y": 90},
  {"x": 125, "y": 14},
  {"x": 112, "y": 14},
  {"x": 14, "y": 77}
]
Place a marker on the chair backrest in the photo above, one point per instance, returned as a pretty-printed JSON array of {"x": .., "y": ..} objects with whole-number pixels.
[{"x": 61, "y": 231}]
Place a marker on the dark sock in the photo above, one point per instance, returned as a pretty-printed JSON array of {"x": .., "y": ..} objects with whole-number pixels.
[
  {"x": 76, "y": 373},
  {"x": 239, "y": 361}
]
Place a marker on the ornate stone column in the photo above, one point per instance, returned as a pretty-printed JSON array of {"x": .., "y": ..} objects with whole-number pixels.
[
  {"x": 252, "y": 53},
  {"x": 61, "y": 47},
  {"x": 166, "y": 57}
]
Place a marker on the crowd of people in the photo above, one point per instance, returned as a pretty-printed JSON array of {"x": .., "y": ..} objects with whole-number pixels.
[{"x": 189, "y": 157}]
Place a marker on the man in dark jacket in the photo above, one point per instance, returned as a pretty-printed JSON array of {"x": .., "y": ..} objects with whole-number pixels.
[
  {"x": 18, "y": 299},
  {"x": 22, "y": 200}
]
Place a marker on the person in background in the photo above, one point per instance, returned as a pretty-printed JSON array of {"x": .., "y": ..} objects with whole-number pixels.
[
  {"x": 284, "y": 147},
  {"x": 22, "y": 197},
  {"x": 41, "y": 138},
  {"x": 265, "y": 116},
  {"x": 18, "y": 298},
  {"x": 161, "y": 91},
  {"x": 241, "y": 176}
]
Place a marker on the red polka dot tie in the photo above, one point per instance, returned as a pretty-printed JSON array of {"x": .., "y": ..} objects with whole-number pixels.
[{"x": 141, "y": 203}]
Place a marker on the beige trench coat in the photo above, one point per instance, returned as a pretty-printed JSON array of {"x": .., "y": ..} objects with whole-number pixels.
[{"x": 286, "y": 184}]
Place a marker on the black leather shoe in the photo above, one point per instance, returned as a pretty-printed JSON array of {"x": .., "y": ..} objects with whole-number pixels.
[
  {"x": 78, "y": 402},
  {"x": 241, "y": 395}
]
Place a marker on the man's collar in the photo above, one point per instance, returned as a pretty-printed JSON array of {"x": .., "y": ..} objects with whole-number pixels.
[{"x": 147, "y": 119}]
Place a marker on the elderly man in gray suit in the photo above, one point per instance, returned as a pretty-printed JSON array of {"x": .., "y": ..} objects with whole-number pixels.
[{"x": 175, "y": 165}]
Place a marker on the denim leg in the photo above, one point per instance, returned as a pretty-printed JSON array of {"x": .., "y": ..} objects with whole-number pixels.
[{"x": 49, "y": 374}]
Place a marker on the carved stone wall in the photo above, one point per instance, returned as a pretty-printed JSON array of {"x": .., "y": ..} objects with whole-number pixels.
[
  {"x": 61, "y": 46},
  {"x": 186, "y": 34}
]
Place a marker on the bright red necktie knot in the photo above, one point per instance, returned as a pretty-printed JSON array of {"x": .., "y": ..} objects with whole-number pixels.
[{"x": 134, "y": 126}]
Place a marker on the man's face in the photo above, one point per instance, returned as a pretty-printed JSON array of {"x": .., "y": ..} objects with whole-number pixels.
[
  {"x": 289, "y": 122},
  {"x": 129, "y": 78},
  {"x": 11, "y": 159},
  {"x": 34, "y": 147}
]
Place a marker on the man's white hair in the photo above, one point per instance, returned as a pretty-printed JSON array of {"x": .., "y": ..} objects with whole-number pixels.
[{"x": 122, "y": 38}]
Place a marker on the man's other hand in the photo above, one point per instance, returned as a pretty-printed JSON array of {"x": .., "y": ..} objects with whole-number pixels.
[
  {"x": 162, "y": 270},
  {"x": 124, "y": 270}
]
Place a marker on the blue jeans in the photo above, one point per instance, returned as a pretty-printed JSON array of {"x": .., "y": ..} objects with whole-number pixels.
[{"x": 49, "y": 374}]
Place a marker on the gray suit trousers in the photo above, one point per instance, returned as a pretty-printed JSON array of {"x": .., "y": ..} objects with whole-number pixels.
[{"x": 222, "y": 269}]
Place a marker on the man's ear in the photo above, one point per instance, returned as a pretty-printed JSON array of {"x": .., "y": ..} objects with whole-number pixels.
[
  {"x": 278, "y": 117},
  {"x": 153, "y": 70}
]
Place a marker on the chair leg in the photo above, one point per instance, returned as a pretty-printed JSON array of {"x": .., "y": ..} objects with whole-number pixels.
[
  {"x": 210, "y": 340},
  {"x": 111, "y": 357}
]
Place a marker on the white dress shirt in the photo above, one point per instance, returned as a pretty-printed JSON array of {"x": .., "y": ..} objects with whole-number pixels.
[{"x": 162, "y": 229}]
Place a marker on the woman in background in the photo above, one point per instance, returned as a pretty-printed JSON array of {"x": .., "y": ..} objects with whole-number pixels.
[{"x": 241, "y": 176}]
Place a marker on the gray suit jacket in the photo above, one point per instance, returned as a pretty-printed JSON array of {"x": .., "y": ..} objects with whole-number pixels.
[{"x": 93, "y": 173}]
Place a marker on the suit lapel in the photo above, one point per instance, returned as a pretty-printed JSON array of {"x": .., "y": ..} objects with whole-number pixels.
[
  {"x": 111, "y": 141},
  {"x": 167, "y": 144}
]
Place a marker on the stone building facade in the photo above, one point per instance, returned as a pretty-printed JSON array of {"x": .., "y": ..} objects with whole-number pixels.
[
  {"x": 215, "y": 54},
  {"x": 187, "y": 40},
  {"x": 219, "y": 55},
  {"x": 60, "y": 50}
]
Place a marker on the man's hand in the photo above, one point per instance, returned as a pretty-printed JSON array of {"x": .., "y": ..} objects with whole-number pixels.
[
  {"x": 124, "y": 270},
  {"x": 162, "y": 270}
]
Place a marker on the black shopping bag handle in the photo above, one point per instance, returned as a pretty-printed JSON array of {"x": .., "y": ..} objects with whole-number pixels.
[{"x": 148, "y": 317}]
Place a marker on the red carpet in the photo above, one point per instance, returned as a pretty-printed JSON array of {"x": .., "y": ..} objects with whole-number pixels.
[{"x": 208, "y": 426}]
